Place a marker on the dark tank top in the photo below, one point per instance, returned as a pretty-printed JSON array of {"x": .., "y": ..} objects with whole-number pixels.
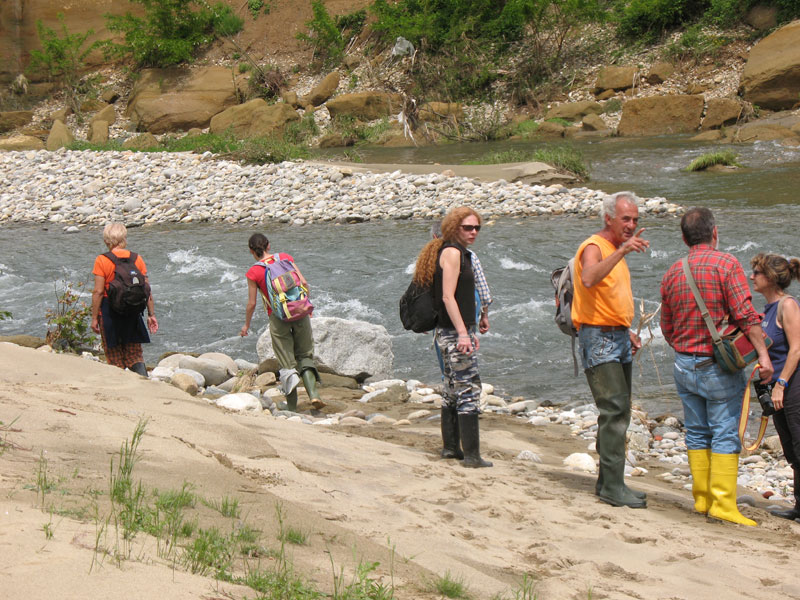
[{"x": 465, "y": 289}]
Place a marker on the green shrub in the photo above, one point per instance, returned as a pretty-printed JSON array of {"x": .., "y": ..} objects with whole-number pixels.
[
  {"x": 4, "y": 314},
  {"x": 171, "y": 31},
  {"x": 612, "y": 105},
  {"x": 648, "y": 20},
  {"x": 68, "y": 326},
  {"x": 694, "y": 44},
  {"x": 324, "y": 35},
  {"x": 726, "y": 158},
  {"x": 567, "y": 158},
  {"x": 62, "y": 57},
  {"x": 257, "y": 7}
]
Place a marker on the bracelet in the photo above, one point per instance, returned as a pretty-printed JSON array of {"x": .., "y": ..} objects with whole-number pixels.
[{"x": 782, "y": 382}]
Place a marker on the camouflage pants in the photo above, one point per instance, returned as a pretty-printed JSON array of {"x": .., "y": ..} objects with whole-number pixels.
[{"x": 462, "y": 384}]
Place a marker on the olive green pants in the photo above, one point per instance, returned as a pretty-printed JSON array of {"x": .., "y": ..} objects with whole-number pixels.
[{"x": 292, "y": 343}]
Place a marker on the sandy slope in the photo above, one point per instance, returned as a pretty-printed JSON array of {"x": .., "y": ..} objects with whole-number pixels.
[{"x": 356, "y": 496}]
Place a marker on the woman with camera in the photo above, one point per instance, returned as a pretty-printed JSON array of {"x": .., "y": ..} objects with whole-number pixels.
[{"x": 771, "y": 275}]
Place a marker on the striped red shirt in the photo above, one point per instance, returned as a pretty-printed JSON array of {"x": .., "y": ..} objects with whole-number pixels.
[{"x": 724, "y": 288}]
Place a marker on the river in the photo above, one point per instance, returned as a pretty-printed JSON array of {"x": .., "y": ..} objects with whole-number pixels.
[{"x": 360, "y": 271}]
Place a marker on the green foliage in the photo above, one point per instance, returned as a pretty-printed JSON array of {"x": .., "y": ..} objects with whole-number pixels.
[
  {"x": 560, "y": 121},
  {"x": 227, "y": 507},
  {"x": 265, "y": 82},
  {"x": 324, "y": 36},
  {"x": 612, "y": 105},
  {"x": 451, "y": 586},
  {"x": 210, "y": 552},
  {"x": 171, "y": 31},
  {"x": 567, "y": 158},
  {"x": 648, "y": 20},
  {"x": 727, "y": 12},
  {"x": 62, "y": 57},
  {"x": 5, "y": 429},
  {"x": 244, "y": 67},
  {"x": 725, "y": 157},
  {"x": 352, "y": 23},
  {"x": 694, "y": 44},
  {"x": 68, "y": 326},
  {"x": 4, "y": 314},
  {"x": 257, "y": 7},
  {"x": 352, "y": 129}
]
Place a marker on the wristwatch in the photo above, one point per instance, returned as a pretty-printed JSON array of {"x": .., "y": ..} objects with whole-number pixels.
[{"x": 781, "y": 382}]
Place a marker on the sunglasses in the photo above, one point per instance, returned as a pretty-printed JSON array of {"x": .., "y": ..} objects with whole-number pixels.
[{"x": 471, "y": 228}]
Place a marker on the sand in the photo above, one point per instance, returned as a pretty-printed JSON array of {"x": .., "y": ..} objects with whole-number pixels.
[{"x": 361, "y": 494}]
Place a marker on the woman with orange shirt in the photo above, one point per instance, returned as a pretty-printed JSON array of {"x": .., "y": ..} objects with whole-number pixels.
[{"x": 122, "y": 335}]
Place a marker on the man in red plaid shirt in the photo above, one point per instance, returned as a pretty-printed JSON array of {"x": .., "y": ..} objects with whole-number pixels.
[{"x": 711, "y": 397}]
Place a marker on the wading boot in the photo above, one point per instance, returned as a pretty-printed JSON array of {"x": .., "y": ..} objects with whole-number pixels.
[
  {"x": 310, "y": 381},
  {"x": 599, "y": 486},
  {"x": 470, "y": 442},
  {"x": 724, "y": 473},
  {"x": 609, "y": 387},
  {"x": 793, "y": 513},
  {"x": 451, "y": 441},
  {"x": 291, "y": 400},
  {"x": 700, "y": 466},
  {"x": 139, "y": 368}
]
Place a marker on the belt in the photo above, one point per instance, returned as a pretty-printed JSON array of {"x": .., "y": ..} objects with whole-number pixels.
[
  {"x": 607, "y": 328},
  {"x": 709, "y": 358}
]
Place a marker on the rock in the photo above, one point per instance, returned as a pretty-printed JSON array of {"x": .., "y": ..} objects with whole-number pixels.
[
  {"x": 59, "y": 136},
  {"x": 418, "y": 414},
  {"x": 762, "y": 17},
  {"x": 255, "y": 118},
  {"x": 371, "y": 395},
  {"x": 365, "y": 105},
  {"x": 437, "y": 111},
  {"x": 335, "y": 140},
  {"x": 27, "y": 341},
  {"x": 521, "y": 407},
  {"x": 529, "y": 456},
  {"x": 773, "y": 443},
  {"x": 539, "y": 421},
  {"x": 352, "y": 348},
  {"x": 771, "y": 77},
  {"x": 162, "y": 373},
  {"x": 109, "y": 96},
  {"x": 98, "y": 132},
  {"x": 141, "y": 142},
  {"x": 548, "y": 128},
  {"x": 385, "y": 383},
  {"x": 333, "y": 380},
  {"x": 323, "y": 90},
  {"x": 659, "y": 115},
  {"x": 178, "y": 98},
  {"x": 265, "y": 379},
  {"x": 172, "y": 361},
  {"x": 605, "y": 95},
  {"x": 695, "y": 88},
  {"x": 396, "y": 394},
  {"x": 757, "y": 131},
  {"x": 242, "y": 402},
  {"x": 381, "y": 420},
  {"x": 593, "y": 122},
  {"x": 19, "y": 143},
  {"x": 223, "y": 359},
  {"x": 615, "y": 78},
  {"x": 580, "y": 461},
  {"x": 213, "y": 372},
  {"x": 107, "y": 114},
  {"x": 660, "y": 72},
  {"x": 573, "y": 111},
  {"x": 185, "y": 382},
  {"x": 14, "y": 119},
  {"x": 196, "y": 375},
  {"x": 244, "y": 365},
  {"x": 194, "y": 132},
  {"x": 291, "y": 99},
  {"x": 720, "y": 112},
  {"x": 92, "y": 105}
]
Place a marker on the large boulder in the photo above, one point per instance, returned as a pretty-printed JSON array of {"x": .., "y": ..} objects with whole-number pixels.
[
  {"x": 322, "y": 91},
  {"x": 141, "y": 142},
  {"x": 659, "y": 72},
  {"x": 17, "y": 143},
  {"x": 720, "y": 112},
  {"x": 659, "y": 115},
  {"x": 615, "y": 78},
  {"x": 14, "y": 118},
  {"x": 59, "y": 136},
  {"x": 771, "y": 77},
  {"x": 365, "y": 105},
  {"x": 178, "y": 99},
  {"x": 573, "y": 111},
  {"x": 98, "y": 132},
  {"x": 214, "y": 372},
  {"x": 255, "y": 118},
  {"x": 436, "y": 111},
  {"x": 107, "y": 114},
  {"x": 351, "y": 348},
  {"x": 762, "y": 132}
]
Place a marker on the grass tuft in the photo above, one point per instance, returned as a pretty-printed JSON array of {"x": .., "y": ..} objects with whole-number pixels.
[
  {"x": 725, "y": 157},
  {"x": 566, "y": 158},
  {"x": 451, "y": 586}
]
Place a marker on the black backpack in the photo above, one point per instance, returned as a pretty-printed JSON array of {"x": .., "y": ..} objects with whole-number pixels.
[
  {"x": 129, "y": 291},
  {"x": 418, "y": 309},
  {"x": 562, "y": 282}
]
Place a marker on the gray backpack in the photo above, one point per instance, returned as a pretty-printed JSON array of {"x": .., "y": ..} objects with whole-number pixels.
[{"x": 562, "y": 283}]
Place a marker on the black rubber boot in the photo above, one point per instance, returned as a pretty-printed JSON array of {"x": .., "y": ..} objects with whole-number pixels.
[
  {"x": 793, "y": 513},
  {"x": 471, "y": 442},
  {"x": 139, "y": 368},
  {"x": 310, "y": 381},
  {"x": 451, "y": 440},
  {"x": 609, "y": 384}
]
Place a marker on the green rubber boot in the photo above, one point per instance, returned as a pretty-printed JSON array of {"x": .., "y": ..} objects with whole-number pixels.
[
  {"x": 609, "y": 385},
  {"x": 310, "y": 381},
  {"x": 291, "y": 400}
]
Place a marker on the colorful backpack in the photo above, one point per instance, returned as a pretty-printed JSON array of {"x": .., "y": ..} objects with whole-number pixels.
[{"x": 287, "y": 296}]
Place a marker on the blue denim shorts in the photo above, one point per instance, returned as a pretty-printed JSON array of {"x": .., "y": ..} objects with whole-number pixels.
[{"x": 598, "y": 347}]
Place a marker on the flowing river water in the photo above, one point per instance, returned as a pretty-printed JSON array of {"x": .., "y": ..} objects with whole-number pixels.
[{"x": 360, "y": 271}]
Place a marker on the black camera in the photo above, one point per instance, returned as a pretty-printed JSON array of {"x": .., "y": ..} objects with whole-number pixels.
[{"x": 764, "y": 393}]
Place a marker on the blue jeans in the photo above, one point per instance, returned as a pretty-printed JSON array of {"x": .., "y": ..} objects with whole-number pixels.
[
  {"x": 712, "y": 403},
  {"x": 598, "y": 347}
]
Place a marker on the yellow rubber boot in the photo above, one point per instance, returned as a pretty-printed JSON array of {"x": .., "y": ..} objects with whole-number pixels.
[
  {"x": 699, "y": 464},
  {"x": 724, "y": 473}
]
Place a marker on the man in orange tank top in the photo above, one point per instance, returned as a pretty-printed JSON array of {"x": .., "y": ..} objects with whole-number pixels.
[{"x": 602, "y": 311}]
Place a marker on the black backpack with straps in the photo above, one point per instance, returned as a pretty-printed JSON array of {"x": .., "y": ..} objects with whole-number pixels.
[{"x": 129, "y": 291}]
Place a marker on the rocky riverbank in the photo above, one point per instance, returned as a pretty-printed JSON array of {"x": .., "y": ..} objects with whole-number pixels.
[{"x": 92, "y": 188}]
